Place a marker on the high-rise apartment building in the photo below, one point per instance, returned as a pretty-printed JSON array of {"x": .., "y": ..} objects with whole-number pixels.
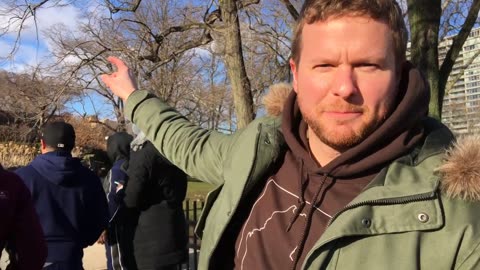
[{"x": 461, "y": 105}]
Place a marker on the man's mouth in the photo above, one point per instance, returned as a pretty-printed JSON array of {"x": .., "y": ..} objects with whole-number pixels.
[{"x": 343, "y": 115}]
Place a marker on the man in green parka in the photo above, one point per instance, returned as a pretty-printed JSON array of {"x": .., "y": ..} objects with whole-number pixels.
[{"x": 352, "y": 175}]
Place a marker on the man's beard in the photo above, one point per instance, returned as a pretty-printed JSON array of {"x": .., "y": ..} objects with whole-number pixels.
[{"x": 341, "y": 141}]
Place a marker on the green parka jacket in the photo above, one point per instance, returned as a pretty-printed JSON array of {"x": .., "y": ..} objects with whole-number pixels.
[{"x": 421, "y": 212}]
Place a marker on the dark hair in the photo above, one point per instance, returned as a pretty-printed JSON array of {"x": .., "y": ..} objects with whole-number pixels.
[{"x": 59, "y": 136}]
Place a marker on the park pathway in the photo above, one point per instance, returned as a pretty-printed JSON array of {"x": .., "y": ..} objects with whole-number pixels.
[{"x": 93, "y": 258}]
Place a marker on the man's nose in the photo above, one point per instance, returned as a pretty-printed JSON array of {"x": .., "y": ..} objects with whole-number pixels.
[{"x": 345, "y": 83}]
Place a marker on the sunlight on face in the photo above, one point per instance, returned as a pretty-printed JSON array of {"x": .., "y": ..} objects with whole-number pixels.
[{"x": 346, "y": 78}]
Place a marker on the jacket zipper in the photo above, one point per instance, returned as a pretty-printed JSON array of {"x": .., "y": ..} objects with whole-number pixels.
[
  {"x": 234, "y": 209},
  {"x": 400, "y": 200},
  {"x": 254, "y": 164}
]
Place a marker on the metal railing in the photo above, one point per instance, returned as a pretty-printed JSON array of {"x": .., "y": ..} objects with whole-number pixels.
[{"x": 192, "y": 209}]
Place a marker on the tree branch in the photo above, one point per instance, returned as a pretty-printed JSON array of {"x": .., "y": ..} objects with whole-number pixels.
[
  {"x": 245, "y": 3},
  {"x": 291, "y": 9},
  {"x": 205, "y": 39},
  {"x": 130, "y": 8},
  {"x": 458, "y": 42}
]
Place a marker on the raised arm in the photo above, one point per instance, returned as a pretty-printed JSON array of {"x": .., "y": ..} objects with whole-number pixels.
[{"x": 197, "y": 151}]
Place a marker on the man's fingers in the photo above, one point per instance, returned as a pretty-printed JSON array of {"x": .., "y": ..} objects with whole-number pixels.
[
  {"x": 106, "y": 79},
  {"x": 117, "y": 62}
]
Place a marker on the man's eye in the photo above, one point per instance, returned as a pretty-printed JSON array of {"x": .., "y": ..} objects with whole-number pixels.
[
  {"x": 323, "y": 66},
  {"x": 368, "y": 65}
]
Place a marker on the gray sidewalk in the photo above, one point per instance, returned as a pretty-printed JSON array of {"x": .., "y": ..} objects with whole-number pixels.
[{"x": 94, "y": 258}]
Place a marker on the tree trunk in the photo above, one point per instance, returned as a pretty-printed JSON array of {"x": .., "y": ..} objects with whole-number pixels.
[
  {"x": 456, "y": 48},
  {"x": 120, "y": 116},
  {"x": 424, "y": 17},
  {"x": 242, "y": 94}
]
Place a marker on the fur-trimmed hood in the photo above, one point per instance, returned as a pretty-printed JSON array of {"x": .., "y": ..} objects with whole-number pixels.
[
  {"x": 460, "y": 172},
  {"x": 275, "y": 99}
]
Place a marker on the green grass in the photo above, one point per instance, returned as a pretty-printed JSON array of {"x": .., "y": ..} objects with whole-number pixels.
[{"x": 198, "y": 190}]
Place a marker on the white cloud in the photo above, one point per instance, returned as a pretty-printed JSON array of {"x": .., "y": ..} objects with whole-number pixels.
[
  {"x": 71, "y": 59},
  {"x": 68, "y": 16},
  {"x": 34, "y": 45},
  {"x": 4, "y": 46},
  {"x": 25, "y": 56}
]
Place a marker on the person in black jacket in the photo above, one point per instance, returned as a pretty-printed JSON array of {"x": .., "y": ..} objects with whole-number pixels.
[
  {"x": 68, "y": 198},
  {"x": 156, "y": 189}
]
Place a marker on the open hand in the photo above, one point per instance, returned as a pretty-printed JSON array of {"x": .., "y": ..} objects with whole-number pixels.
[{"x": 121, "y": 82}]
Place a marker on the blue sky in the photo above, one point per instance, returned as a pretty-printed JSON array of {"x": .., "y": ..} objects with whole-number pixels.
[
  {"x": 35, "y": 49},
  {"x": 34, "y": 46}
]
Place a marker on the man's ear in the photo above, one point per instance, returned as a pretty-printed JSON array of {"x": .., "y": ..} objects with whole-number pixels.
[
  {"x": 293, "y": 69},
  {"x": 43, "y": 145}
]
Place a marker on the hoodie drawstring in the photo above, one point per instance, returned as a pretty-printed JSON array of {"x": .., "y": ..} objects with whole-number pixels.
[
  {"x": 301, "y": 188},
  {"x": 306, "y": 228}
]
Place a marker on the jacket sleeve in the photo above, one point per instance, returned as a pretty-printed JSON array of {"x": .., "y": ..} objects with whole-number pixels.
[
  {"x": 197, "y": 151},
  {"x": 28, "y": 240},
  {"x": 97, "y": 209},
  {"x": 139, "y": 168}
]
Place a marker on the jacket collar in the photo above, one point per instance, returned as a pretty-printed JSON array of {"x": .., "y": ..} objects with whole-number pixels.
[{"x": 403, "y": 197}]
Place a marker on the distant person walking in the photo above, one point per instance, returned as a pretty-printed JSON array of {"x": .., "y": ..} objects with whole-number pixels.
[
  {"x": 119, "y": 235},
  {"x": 20, "y": 229},
  {"x": 156, "y": 189},
  {"x": 68, "y": 198}
]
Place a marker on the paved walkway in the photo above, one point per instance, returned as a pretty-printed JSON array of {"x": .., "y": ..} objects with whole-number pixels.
[{"x": 93, "y": 258}]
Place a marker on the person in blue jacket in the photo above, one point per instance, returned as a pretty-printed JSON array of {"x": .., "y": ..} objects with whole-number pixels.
[
  {"x": 68, "y": 198},
  {"x": 118, "y": 238}
]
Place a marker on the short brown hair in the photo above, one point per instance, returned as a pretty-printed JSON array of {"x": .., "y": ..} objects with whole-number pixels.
[{"x": 387, "y": 11}]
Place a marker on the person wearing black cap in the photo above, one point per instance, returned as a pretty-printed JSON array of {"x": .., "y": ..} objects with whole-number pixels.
[{"x": 68, "y": 198}]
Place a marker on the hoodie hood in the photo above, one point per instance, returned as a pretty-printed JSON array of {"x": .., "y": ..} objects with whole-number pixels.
[
  {"x": 118, "y": 146},
  {"x": 139, "y": 140},
  {"x": 460, "y": 173},
  {"x": 394, "y": 137},
  {"x": 332, "y": 186},
  {"x": 57, "y": 167}
]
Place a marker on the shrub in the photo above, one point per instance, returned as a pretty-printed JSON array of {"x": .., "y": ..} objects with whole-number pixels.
[{"x": 17, "y": 155}]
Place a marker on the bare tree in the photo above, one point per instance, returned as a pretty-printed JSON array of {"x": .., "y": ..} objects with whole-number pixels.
[
  {"x": 267, "y": 45},
  {"x": 178, "y": 81},
  {"x": 210, "y": 103},
  {"x": 152, "y": 34},
  {"x": 15, "y": 15},
  {"x": 33, "y": 97},
  {"x": 83, "y": 57},
  {"x": 425, "y": 18}
]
